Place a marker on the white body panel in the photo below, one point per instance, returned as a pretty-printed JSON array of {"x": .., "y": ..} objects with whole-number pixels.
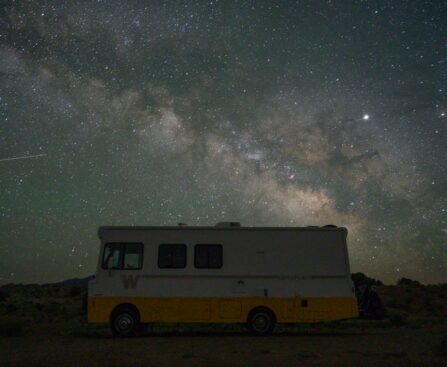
[{"x": 257, "y": 262}]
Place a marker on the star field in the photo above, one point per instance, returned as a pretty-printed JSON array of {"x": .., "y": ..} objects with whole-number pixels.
[{"x": 268, "y": 113}]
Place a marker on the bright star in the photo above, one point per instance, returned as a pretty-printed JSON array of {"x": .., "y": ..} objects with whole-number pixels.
[{"x": 365, "y": 117}]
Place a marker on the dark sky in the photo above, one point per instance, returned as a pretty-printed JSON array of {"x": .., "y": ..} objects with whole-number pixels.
[{"x": 268, "y": 113}]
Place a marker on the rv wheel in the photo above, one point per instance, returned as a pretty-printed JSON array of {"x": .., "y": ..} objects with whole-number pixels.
[
  {"x": 125, "y": 321},
  {"x": 261, "y": 321}
]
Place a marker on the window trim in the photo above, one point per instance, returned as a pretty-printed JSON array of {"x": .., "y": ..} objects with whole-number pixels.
[
  {"x": 121, "y": 260},
  {"x": 208, "y": 244},
  {"x": 172, "y": 267}
]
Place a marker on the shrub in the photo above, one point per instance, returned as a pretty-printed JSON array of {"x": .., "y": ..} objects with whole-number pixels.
[
  {"x": 75, "y": 291},
  {"x": 362, "y": 279},
  {"x": 4, "y": 294},
  {"x": 52, "y": 291},
  {"x": 392, "y": 303},
  {"x": 429, "y": 307},
  {"x": 84, "y": 306},
  {"x": 441, "y": 347},
  {"x": 36, "y": 292},
  {"x": 407, "y": 281},
  {"x": 10, "y": 328},
  {"x": 408, "y": 301},
  {"x": 11, "y": 308},
  {"x": 398, "y": 319}
]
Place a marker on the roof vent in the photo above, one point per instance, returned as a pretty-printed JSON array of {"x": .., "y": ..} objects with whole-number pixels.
[{"x": 228, "y": 224}]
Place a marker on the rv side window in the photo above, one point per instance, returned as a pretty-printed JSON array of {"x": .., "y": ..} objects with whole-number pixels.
[
  {"x": 208, "y": 256},
  {"x": 172, "y": 256},
  {"x": 123, "y": 256},
  {"x": 133, "y": 256}
]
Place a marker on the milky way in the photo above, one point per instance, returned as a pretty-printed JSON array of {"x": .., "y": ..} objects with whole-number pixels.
[{"x": 268, "y": 113}]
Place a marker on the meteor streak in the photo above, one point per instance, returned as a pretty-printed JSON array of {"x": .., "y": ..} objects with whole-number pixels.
[{"x": 22, "y": 157}]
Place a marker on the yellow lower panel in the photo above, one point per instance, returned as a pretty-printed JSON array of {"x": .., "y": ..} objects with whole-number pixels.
[{"x": 225, "y": 310}]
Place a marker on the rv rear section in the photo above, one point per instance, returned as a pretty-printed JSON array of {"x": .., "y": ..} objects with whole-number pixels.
[{"x": 259, "y": 276}]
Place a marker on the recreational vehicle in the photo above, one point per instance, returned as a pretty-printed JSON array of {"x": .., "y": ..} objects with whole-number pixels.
[{"x": 258, "y": 276}]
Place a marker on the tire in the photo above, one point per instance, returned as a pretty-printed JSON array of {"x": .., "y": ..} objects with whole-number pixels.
[
  {"x": 261, "y": 321},
  {"x": 125, "y": 321}
]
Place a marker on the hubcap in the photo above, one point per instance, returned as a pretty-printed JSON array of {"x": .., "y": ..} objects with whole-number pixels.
[
  {"x": 261, "y": 322},
  {"x": 124, "y": 323}
]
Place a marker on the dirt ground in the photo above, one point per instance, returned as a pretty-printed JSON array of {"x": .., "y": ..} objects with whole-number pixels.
[{"x": 396, "y": 347}]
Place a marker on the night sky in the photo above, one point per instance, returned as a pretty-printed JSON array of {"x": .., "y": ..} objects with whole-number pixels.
[{"x": 268, "y": 113}]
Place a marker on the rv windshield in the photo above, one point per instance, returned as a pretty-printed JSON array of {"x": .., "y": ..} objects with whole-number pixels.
[
  {"x": 123, "y": 256},
  {"x": 112, "y": 256}
]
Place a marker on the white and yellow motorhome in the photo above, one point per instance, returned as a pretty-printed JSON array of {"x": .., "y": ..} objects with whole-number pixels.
[{"x": 223, "y": 274}]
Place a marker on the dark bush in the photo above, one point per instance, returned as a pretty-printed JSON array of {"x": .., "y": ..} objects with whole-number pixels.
[
  {"x": 10, "y": 328},
  {"x": 52, "y": 291},
  {"x": 35, "y": 291},
  {"x": 362, "y": 279},
  {"x": 393, "y": 303},
  {"x": 406, "y": 305},
  {"x": 407, "y": 281},
  {"x": 84, "y": 306},
  {"x": 4, "y": 294},
  {"x": 441, "y": 347},
  {"x": 11, "y": 308},
  {"x": 75, "y": 291},
  {"x": 429, "y": 307},
  {"x": 398, "y": 319}
]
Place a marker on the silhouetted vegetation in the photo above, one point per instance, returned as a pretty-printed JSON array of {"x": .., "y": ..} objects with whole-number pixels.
[
  {"x": 398, "y": 318},
  {"x": 407, "y": 281},
  {"x": 10, "y": 328},
  {"x": 441, "y": 347},
  {"x": 4, "y": 294},
  {"x": 11, "y": 308},
  {"x": 362, "y": 279},
  {"x": 75, "y": 291},
  {"x": 369, "y": 302}
]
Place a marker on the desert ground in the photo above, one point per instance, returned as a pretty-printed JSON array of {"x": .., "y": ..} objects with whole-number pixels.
[
  {"x": 396, "y": 347},
  {"x": 45, "y": 326}
]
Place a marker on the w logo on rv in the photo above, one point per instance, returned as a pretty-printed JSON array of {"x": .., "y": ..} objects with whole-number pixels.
[{"x": 130, "y": 281}]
